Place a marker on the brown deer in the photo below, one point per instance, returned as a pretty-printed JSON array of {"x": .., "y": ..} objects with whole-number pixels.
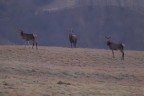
[
  {"x": 72, "y": 39},
  {"x": 115, "y": 46},
  {"x": 28, "y": 37}
]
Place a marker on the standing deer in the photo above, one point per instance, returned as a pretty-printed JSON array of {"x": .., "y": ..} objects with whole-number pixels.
[
  {"x": 28, "y": 37},
  {"x": 115, "y": 46},
  {"x": 72, "y": 39}
]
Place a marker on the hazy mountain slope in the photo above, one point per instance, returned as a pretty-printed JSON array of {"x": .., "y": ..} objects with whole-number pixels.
[
  {"x": 58, "y": 5},
  {"x": 91, "y": 20},
  {"x": 4, "y": 41}
]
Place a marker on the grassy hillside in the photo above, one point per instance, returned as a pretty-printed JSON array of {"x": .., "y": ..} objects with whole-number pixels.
[{"x": 57, "y": 71}]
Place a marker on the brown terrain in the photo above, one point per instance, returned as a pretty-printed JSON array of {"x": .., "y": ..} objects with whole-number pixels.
[{"x": 58, "y": 71}]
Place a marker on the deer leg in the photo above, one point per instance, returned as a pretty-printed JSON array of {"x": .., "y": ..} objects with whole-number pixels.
[
  {"x": 33, "y": 44},
  {"x": 75, "y": 45},
  {"x": 28, "y": 44},
  {"x": 113, "y": 54},
  {"x": 25, "y": 44},
  {"x": 36, "y": 45},
  {"x": 122, "y": 54}
]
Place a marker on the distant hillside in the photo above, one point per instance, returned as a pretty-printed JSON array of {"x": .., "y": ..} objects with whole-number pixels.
[
  {"x": 4, "y": 41},
  {"x": 91, "y": 20}
]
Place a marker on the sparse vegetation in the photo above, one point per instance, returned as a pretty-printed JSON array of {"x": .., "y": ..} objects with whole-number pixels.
[{"x": 57, "y": 71}]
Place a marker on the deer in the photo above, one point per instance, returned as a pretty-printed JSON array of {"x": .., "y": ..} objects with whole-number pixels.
[
  {"x": 115, "y": 46},
  {"x": 72, "y": 39},
  {"x": 28, "y": 37}
]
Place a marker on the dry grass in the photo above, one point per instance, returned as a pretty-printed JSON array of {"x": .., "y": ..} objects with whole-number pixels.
[{"x": 56, "y": 71}]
